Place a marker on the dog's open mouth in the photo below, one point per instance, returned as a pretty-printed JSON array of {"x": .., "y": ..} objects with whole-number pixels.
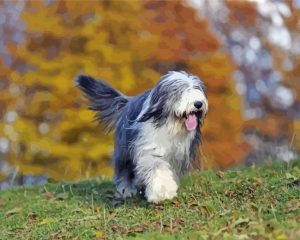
[{"x": 191, "y": 120}]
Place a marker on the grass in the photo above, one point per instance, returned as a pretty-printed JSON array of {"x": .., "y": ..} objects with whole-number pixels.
[{"x": 245, "y": 203}]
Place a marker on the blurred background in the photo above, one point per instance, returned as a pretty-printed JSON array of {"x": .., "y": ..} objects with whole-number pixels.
[{"x": 247, "y": 53}]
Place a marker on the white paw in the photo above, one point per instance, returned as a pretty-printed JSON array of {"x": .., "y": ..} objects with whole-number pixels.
[{"x": 162, "y": 187}]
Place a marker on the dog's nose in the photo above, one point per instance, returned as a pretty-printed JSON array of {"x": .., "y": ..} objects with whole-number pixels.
[{"x": 198, "y": 104}]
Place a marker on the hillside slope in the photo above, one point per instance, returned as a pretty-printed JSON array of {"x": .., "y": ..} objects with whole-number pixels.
[{"x": 246, "y": 203}]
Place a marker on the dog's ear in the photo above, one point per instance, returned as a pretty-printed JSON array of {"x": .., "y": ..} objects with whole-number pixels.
[
  {"x": 204, "y": 89},
  {"x": 155, "y": 107},
  {"x": 154, "y": 111}
]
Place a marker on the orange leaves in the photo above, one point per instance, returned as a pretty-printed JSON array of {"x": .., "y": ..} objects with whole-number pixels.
[
  {"x": 181, "y": 35},
  {"x": 224, "y": 154},
  {"x": 215, "y": 70},
  {"x": 296, "y": 134},
  {"x": 272, "y": 125},
  {"x": 242, "y": 12}
]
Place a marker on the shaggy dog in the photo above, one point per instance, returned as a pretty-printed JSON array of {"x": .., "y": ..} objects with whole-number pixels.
[{"x": 156, "y": 133}]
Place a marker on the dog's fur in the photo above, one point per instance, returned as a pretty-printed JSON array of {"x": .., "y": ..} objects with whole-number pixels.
[{"x": 153, "y": 147}]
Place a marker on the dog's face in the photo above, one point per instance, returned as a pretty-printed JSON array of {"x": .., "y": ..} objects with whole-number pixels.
[
  {"x": 192, "y": 106},
  {"x": 178, "y": 97}
]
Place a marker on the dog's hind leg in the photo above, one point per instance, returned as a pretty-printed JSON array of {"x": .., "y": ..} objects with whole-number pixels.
[
  {"x": 125, "y": 179},
  {"x": 125, "y": 186}
]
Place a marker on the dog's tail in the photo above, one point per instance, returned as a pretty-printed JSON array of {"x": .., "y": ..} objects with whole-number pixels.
[{"x": 104, "y": 99}]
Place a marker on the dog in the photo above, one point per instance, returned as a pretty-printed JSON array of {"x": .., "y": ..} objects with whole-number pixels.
[{"x": 157, "y": 133}]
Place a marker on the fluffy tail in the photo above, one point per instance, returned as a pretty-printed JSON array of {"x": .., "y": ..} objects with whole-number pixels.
[{"x": 104, "y": 99}]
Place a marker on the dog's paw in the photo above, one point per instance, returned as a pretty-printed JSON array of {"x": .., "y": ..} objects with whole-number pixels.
[
  {"x": 162, "y": 187},
  {"x": 125, "y": 191}
]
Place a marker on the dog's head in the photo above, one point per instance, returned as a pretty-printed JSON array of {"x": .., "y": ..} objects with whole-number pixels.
[{"x": 179, "y": 97}]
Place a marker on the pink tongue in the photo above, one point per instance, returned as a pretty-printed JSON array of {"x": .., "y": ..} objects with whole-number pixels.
[{"x": 191, "y": 122}]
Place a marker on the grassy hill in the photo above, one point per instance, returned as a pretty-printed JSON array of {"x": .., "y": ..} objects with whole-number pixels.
[{"x": 245, "y": 203}]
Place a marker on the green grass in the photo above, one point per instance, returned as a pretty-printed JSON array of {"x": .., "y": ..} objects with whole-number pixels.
[{"x": 243, "y": 203}]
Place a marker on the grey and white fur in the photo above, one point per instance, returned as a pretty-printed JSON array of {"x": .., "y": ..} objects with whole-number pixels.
[{"x": 156, "y": 134}]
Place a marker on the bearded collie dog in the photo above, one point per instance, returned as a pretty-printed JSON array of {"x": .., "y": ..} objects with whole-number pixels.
[{"x": 157, "y": 132}]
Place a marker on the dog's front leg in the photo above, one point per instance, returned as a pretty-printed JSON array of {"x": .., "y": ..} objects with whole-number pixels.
[
  {"x": 158, "y": 178},
  {"x": 161, "y": 186}
]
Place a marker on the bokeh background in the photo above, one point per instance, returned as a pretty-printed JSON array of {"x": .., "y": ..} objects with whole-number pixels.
[{"x": 247, "y": 53}]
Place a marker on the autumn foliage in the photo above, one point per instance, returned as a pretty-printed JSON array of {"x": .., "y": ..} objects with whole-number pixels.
[{"x": 130, "y": 45}]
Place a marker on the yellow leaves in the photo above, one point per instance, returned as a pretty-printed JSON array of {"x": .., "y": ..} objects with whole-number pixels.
[
  {"x": 112, "y": 55},
  {"x": 63, "y": 40},
  {"x": 64, "y": 86},
  {"x": 78, "y": 117},
  {"x": 128, "y": 79},
  {"x": 30, "y": 168},
  {"x": 86, "y": 115},
  {"x": 98, "y": 152},
  {"x": 56, "y": 149},
  {"x": 235, "y": 100},
  {"x": 10, "y": 132},
  {"x": 36, "y": 22},
  {"x": 98, "y": 39},
  {"x": 23, "y": 126}
]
